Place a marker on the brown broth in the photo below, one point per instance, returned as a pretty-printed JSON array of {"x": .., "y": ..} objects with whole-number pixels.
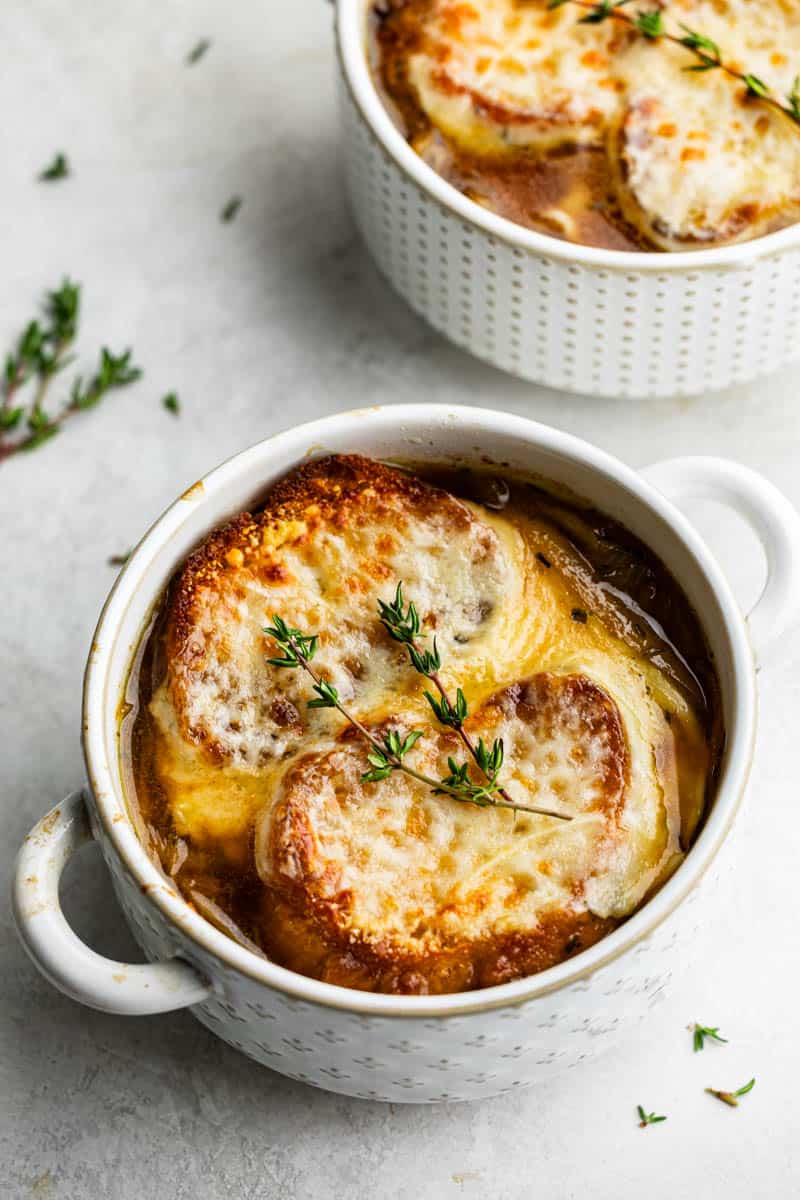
[{"x": 617, "y": 581}]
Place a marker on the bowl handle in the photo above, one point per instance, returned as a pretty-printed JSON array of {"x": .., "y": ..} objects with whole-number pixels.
[
  {"x": 114, "y": 987},
  {"x": 773, "y": 518}
]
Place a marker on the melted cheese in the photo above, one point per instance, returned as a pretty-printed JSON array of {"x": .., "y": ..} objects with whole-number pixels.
[
  {"x": 494, "y": 75},
  {"x": 693, "y": 160},
  {"x": 413, "y": 873},
  {"x": 391, "y": 866}
]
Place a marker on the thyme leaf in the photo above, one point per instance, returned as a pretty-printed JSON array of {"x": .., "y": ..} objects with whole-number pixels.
[
  {"x": 57, "y": 169},
  {"x": 198, "y": 51},
  {"x": 230, "y": 209},
  {"x": 119, "y": 560},
  {"x": 646, "y": 1118},
  {"x": 732, "y": 1098},
  {"x": 701, "y": 1032}
]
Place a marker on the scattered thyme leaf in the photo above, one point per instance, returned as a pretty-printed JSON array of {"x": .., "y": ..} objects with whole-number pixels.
[
  {"x": 732, "y": 1098},
  {"x": 543, "y": 559},
  {"x": 171, "y": 403},
  {"x": 58, "y": 169},
  {"x": 119, "y": 560},
  {"x": 701, "y": 1032},
  {"x": 580, "y": 615},
  {"x": 230, "y": 209},
  {"x": 646, "y": 1118},
  {"x": 198, "y": 51}
]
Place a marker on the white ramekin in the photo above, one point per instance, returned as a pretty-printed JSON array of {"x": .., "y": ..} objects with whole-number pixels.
[
  {"x": 601, "y": 322},
  {"x": 399, "y": 1048}
]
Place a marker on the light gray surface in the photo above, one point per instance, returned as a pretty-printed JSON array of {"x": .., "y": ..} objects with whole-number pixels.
[{"x": 269, "y": 321}]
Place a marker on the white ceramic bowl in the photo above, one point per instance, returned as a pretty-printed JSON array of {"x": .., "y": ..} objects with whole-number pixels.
[
  {"x": 602, "y": 322},
  {"x": 403, "y": 1047}
]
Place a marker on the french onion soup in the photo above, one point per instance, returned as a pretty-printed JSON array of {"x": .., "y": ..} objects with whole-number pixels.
[
  {"x": 672, "y": 127},
  {"x": 420, "y": 731}
]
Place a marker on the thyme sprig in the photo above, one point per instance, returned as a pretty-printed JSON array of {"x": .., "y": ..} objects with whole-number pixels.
[
  {"x": 387, "y": 755},
  {"x": 707, "y": 54},
  {"x": 403, "y": 625},
  {"x": 646, "y": 1118},
  {"x": 701, "y": 1032},
  {"x": 40, "y": 353},
  {"x": 732, "y": 1098}
]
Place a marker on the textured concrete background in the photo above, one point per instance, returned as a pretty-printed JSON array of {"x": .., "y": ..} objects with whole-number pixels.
[{"x": 271, "y": 320}]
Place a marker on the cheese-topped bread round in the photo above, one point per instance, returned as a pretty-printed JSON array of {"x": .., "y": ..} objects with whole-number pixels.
[
  {"x": 518, "y": 91},
  {"x": 256, "y": 801},
  {"x": 405, "y": 879},
  {"x": 333, "y": 538},
  {"x": 495, "y": 75},
  {"x": 695, "y": 160}
]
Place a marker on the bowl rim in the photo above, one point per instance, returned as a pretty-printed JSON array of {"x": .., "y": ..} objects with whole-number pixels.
[
  {"x": 289, "y": 447},
  {"x": 351, "y": 42}
]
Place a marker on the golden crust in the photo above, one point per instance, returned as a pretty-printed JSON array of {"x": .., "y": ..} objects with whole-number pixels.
[{"x": 338, "y": 489}]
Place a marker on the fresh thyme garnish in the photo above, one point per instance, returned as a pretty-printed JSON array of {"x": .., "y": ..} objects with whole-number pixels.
[
  {"x": 171, "y": 403},
  {"x": 403, "y": 625},
  {"x": 580, "y": 615},
  {"x": 114, "y": 371},
  {"x": 701, "y": 1032},
  {"x": 40, "y": 354},
  {"x": 119, "y": 560},
  {"x": 646, "y": 1118},
  {"x": 732, "y": 1098},
  {"x": 58, "y": 169},
  {"x": 387, "y": 755},
  {"x": 707, "y": 54},
  {"x": 231, "y": 209},
  {"x": 197, "y": 51}
]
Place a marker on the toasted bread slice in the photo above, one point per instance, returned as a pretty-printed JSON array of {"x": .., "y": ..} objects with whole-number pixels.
[
  {"x": 695, "y": 162},
  {"x": 414, "y": 887},
  {"x": 496, "y": 75},
  {"x": 335, "y": 536}
]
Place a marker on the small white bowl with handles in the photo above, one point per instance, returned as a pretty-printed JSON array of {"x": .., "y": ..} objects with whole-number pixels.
[
  {"x": 601, "y": 322},
  {"x": 405, "y": 1048}
]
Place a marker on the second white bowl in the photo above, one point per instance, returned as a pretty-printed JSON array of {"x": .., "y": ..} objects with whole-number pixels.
[{"x": 602, "y": 322}]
